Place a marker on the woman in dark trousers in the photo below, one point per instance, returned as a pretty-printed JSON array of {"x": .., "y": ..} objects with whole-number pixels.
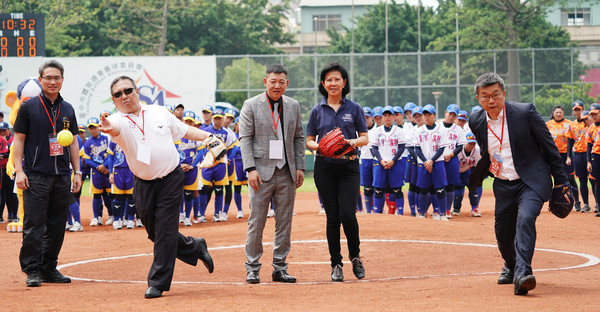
[{"x": 338, "y": 179}]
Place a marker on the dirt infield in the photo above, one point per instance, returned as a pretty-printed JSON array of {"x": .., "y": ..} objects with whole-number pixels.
[{"x": 411, "y": 265}]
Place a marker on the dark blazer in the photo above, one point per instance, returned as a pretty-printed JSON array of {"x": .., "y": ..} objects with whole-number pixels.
[{"x": 534, "y": 153}]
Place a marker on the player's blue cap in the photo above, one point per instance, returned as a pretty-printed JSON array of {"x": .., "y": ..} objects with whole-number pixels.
[
  {"x": 93, "y": 122},
  {"x": 475, "y": 108},
  {"x": 594, "y": 108},
  {"x": 207, "y": 108},
  {"x": 81, "y": 128},
  {"x": 4, "y": 125},
  {"x": 453, "y": 108},
  {"x": 398, "y": 110},
  {"x": 417, "y": 110},
  {"x": 462, "y": 115},
  {"x": 585, "y": 113},
  {"x": 429, "y": 109},
  {"x": 169, "y": 107},
  {"x": 230, "y": 113},
  {"x": 578, "y": 104},
  {"x": 471, "y": 137},
  {"x": 217, "y": 113},
  {"x": 377, "y": 111},
  {"x": 105, "y": 113},
  {"x": 388, "y": 109},
  {"x": 368, "y": 111},
  {"x": 236, "y": 120},
  {"x": 189, "y": 115},
  {"x": 409, "y": 106},
  {"x": 197, "y": 120}
]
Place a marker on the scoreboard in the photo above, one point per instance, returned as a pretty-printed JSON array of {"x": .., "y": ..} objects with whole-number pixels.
[{"x": 22, "y": 35}]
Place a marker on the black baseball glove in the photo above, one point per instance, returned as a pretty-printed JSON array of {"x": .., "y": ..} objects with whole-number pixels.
[{"x": 562, "y": 201}]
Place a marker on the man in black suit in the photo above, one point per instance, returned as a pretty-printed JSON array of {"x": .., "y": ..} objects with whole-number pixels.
[{"x": 518, "y": 150}]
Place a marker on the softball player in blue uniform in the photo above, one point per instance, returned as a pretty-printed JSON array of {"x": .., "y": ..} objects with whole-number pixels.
[
  {"x": 366, "y": 164},
  {"x": 411, "y": 172},
  {"x": 187, "y": 152},
  {"x": 240, "y": 177},
  {"x": 94, "y": 155},
  {"x": 467, "y": 159},
  {"x": 217, "y": 176},
  {"x": 430, "y": 142},
  {"x": 456, "y": 139},
  {"x": 121, "y": 179},
  {"x": 388, "y": 143}
]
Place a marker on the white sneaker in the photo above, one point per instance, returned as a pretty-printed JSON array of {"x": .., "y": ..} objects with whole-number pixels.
[
  {"x": 130, "y": 224},
  {"x": 435, "y": 216},
  {"x": 94, "y": 222},
  {"x": 100, "y": 220},
  {"x": 68, "y": 226},
  {"x": 116, "y": 225},
  {"x": 240, "y": 214},
  {"x": 421, "y": 216},
  {"x": 444, "y": 218},
  {"x": 187, "y": 222},
  {"x": 223, "y": 216},
  {"x": 216, "y": 218},
  {"x": 195, "y": 220},
  {"x": 76, "y": 227},
  {"x": 271, "y": 213},
  {"x": 322, "y": 211},
  {"x": 110, "y": 220},
  {"x": 475, "y": 212},
  {"x": 455, "y": 212},
  {"x": 448, "y": 214},
  {"x": 181, "y": 217},
  {"x": 202, "y": 219},
  {"x": 138, "y": 223}
]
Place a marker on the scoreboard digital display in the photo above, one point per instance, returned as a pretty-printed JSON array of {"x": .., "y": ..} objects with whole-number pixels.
[{"x": 22, "y": 35}]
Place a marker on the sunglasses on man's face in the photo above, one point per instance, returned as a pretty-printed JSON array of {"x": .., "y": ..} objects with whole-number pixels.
[{"x": 118, "y": 94}]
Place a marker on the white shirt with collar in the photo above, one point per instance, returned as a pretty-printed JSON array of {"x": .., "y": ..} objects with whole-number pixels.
[
  {"x": 508, "y": 171},
  {"x": 161, "y": 128}
]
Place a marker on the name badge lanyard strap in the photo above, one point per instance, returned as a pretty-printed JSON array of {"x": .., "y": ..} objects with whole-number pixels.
[
  {"x": 143, "y": 125},
  {"x": 275, "y": 121},
  {"x": 52, "y": 122},
  {"x": 501, "y": 135}
]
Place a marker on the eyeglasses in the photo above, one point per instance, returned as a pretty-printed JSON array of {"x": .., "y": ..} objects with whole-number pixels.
[
  {"x": 118, "y": 94},
  {"x": 53, "y": 78},
  {"x": 495, "y": 97}
]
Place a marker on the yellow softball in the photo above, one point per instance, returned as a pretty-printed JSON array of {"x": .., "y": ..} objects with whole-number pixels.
[{"x": 64, "y": 137}]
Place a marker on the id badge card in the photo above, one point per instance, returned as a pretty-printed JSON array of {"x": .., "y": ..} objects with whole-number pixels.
[
  {"x": 143, "y": 153},
  {"x": 55, "y": 148},
  {"x": 496, "y": 164},
  {"x": 276, "y": 149}
]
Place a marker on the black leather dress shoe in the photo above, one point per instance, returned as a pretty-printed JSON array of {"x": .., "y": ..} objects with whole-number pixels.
[
  {"x": 357, "y": 268},
  {"x": 337, "y": 275},
  {"x": 252, "y": 277},
  {"x": 523, "y": 284},
  {"x": 283, "y": 276},
  {"x": 54, "y": 277},
  {"x": 152, "y": 292},
  {"x": 205, "y": 257},
  {"x": 507, "y": 276},
  {"x": 33, "y": 279}
]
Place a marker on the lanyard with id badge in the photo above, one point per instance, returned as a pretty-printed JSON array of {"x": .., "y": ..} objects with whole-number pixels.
[
  {"x": 276, "y": 146},
  {"x": 143, "y": 150},
  {"x": 55, "y": 148},
  {"x": 496, "y": 161}
]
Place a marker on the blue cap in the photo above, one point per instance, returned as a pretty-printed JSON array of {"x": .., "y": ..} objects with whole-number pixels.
[
  {"x": 417, "y": 110},
  {"x": 475, "y": 108},
  {"x": 471, "y": 137},
  {"x": 169, "y": 107},
  {"x": 189, "y": 115},
  {"x": 398, "y": 110},
  {"x": 4, "y": 125},
  {"x": 105, "y": 113},
  {"x": 230, "y": 113},
  {"x": 594, "y": 108},
  {"x": 409, "y": 106},
  {"x": 462, "y": 115},
  {"x": 81, "y": 127},
  {"x": 368, "y": 111},
  {"x": 377, "y": 111},
  {"x": 388, "y": 109},
  {"x": 453, "y": 108},
  {"x": 93, "y": 122},
  {"x": 217, "y": 113},
  {"x": 207, "y": 108},
  {"x": 577, "y": 104},
  {"x": 585, "y": 113},
  {"x": 429, "y": 109},
  {"x": 198, "y": 120},
  {"x": 236, "y": 120}
]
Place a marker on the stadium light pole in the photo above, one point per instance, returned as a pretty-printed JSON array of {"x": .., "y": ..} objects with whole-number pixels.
[
  {"x": 436, "y": 96},
  {"x": 419, "y": 55},
  {"x": 457, "y": 63},
  {"x": 316, "y": 20},
  {"x": 385, "y": 64}
]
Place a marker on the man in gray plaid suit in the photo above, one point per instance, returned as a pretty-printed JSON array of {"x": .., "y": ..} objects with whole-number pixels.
[{"x": 272, "y": 145}]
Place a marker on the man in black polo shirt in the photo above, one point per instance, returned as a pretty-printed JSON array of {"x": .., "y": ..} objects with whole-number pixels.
[{"x": 43, "y": 173}]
